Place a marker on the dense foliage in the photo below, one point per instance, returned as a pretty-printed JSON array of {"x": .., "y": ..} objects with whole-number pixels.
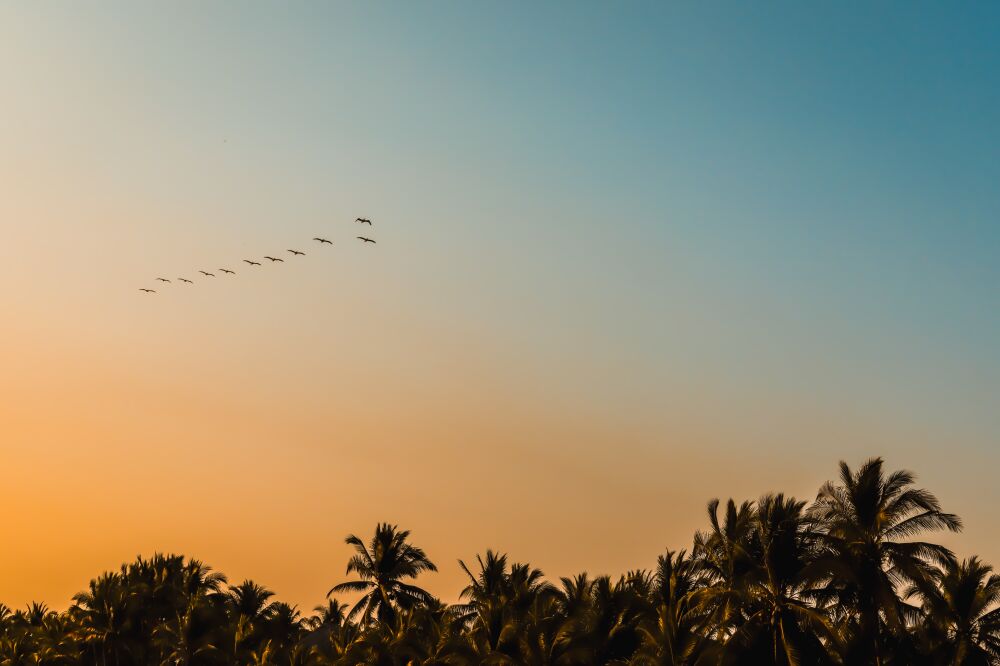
[{"x": 846, "y": 579}]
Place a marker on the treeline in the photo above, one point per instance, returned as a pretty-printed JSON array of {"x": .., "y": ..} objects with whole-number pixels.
[{"x": 845, "y": 579}]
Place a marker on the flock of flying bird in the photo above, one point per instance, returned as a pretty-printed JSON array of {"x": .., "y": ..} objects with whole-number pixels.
[{"x": 297, "y": 253}]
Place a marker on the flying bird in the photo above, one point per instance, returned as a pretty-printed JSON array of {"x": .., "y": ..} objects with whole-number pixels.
[
  {"x": 323, "y": 240},
  {"x": 148, "y": 291},
  {"x": 206, "y": 273},
  {"x": 296, "y": 252},
  {"x": 367, "y": 240},
  {"x": 252, "y": 263},
  {"x": 188, "y": 281},
  {"x": 227, "y": 271},
  {"x": 163, "y": 279},
  {"x": 364, "y": 220},
  {"x": 274, "y": 259}
]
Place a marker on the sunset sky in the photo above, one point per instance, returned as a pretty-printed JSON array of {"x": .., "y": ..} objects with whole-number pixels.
[{"x": 630, "y": 257}]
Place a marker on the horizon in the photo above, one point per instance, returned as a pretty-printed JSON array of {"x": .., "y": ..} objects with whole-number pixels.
[{"x": 628, "y": 259}]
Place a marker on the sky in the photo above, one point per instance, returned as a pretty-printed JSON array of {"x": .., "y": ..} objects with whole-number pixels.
[{"x": 630, "y": 257}]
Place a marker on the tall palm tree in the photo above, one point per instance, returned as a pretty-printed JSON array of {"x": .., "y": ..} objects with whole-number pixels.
[
  {"x": 866, "y": 522},
  {"x": 616, "y": 611},
  {"x": 725, "y": 556},
  {"x": 250, "y": 600},
  {"x": 779, "y": 623},
  {"x": 282, "y": 629},
  {"x": 103, "y": 612},
  {"x": 484, "y": 608},
  {"x": 382, "y": 566},
  {"x": 672, "y": 632},
  {"x": 249, "y": 607},
  {"x": 962, "y": 614},
  {"x": 189, "y": 633},
  {"x": 508, "y": 610}
]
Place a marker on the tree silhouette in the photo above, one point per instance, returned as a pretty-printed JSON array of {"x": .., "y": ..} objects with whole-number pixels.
[
  {"x": 382, "y": 566},
  {"x": 844, "y": 580}
]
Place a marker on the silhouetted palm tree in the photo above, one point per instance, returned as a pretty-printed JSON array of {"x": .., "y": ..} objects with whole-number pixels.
[
  {"x": 780, "y": 625},
  {"x": 672, "y": 633},
  {"x": 962, "y": 615},
  {"x": 382, "y": 566},
  {"x": 103, "y": 613},
  {"x": 866, "y": 522}
]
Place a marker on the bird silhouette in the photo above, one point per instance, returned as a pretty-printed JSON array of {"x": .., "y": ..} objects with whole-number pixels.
[
  {"x": 364, "y": 220},
  {"x": 163, "y": 279},
  {"x": 274, "y": 259},
  {"x": 367, "y": 240},
  {"x": 252, "y": 263},
  {"x": 148, "y": 291},
  {"x": 227, "y": 271},
  {"x": 188, "y": 281},
  {"x": 296, "y": 252},
  {"x": 206, "y": 273},
  {"x": 323, "y": 240}
]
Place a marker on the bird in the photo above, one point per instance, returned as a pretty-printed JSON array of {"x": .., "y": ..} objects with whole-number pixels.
[
  {"x": 364, "y": 220},
  {"x": 188, "y": 281},
  {"x": 274, "y": 259},
  {"x": 367, "y": 240},
  {"x": 323, "y": 240},
  {"x": 163, "y": 279},
  {"x": 227, "y": 271},
  {"x": 148, "y": 291},
  {"x": 296, "y": 252},
  {"x": 252, "y": 263},
  {"x": 206, "y": 273}
]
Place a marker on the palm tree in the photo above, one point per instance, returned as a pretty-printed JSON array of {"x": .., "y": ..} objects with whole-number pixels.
[
  {"x": 962, "y": 614},
  {"x": 672, "y": 632},
  {"x": 282, "y": 629},
  {"x": 779, "y": 624},
  {"x": 249, "y": 607},
  {"x": 103, "y": 613},
  {"x": 725, "y": 557},
  {"x": 382, "y": 566},
  {"x": 484, "y": 607},
  {"x": 864, "y": 523},
  {"x": 333, "y": 614},
  {"x": 509, "y": 611},
  {"x": 200, "y": 608},
  {"x": 250, "y": 600}
]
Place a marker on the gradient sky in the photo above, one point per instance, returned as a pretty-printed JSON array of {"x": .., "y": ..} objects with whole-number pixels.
[{"x": 630, "y": 257}]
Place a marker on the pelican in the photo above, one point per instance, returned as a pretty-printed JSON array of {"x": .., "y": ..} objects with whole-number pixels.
[
  {"x": 148, "y": 291},
  {"x": 323, "y": 240},
  {"x": 227, "y": 271},
  {"x": 207, "y": 273},
  {"x": 188, "y": 281},
  {"x": 274, "y": 259},
  {"x": 364, "y": 220},
  {"x": 252, "y": 263},
  {"x": 367, "y": 240},
  {"x": 296, "y": 252},
  {"x": 163, "y": 279}
]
